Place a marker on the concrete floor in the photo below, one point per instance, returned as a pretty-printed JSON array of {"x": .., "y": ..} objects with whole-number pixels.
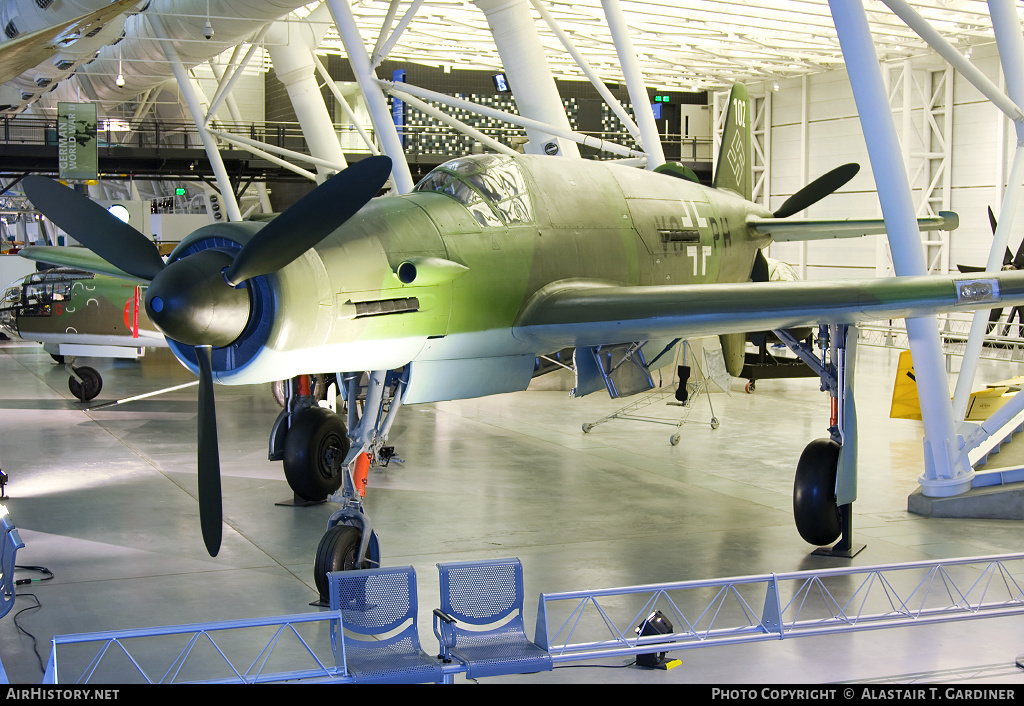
[{"x": 106, "y": 500}]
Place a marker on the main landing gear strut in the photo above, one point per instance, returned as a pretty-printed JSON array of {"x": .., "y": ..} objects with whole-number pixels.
[
  {"x": 826, "y": 482},
  {"x": 322, "y": 458}
]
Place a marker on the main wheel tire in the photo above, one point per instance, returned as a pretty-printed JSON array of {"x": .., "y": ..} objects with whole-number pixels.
[
  {"x": 90, "y": 386},
  {"x": 336, "y": 552},
  {"x": 814, "y": 493},
  {"x": 314, "y": 453}
]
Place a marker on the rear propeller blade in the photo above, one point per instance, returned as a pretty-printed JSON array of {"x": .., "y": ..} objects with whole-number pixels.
[
  {"x": 210, "y": 511},
  {"x": 817, "y": 190},
  {"x": 94, "y": 227},
  {"x": 310, "y": 219}
]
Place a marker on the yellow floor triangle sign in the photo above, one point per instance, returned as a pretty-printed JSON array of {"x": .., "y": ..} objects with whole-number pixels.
[
  {"x": 907, "y": 405},
  {"x": 905, "y": 402}
]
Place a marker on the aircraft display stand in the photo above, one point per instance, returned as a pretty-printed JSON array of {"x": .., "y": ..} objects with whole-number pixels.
[{"x": 678, "y": 392}]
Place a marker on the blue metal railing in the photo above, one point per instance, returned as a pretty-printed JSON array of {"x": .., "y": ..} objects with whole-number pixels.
[{"x": 803, "y": 603}]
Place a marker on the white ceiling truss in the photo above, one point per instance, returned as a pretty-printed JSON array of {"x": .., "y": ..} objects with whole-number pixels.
[{"x": 681, "y": 45}]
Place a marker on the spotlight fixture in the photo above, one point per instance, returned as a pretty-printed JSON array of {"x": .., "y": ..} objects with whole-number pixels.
[
  {"x": 119, "y": 81},
  {"x": 208, "y": 28}
]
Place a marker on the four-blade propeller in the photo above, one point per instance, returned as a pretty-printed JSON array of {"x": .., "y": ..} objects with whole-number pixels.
[{"x": 201, "y": 300}]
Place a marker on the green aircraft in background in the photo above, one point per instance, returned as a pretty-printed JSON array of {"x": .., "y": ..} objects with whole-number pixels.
[
  {"x": 79, "y": 313},
  {"x": 453, "y": 291}
]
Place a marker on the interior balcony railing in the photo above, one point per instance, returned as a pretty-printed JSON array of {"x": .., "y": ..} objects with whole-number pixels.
[{"x": 419, "y": 141}]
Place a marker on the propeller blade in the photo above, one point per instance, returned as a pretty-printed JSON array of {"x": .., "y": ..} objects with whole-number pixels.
[
  {"x": 94, "y": 227},
  {"x": 210, "y": 511},
  {"x": 817, "y": 190},
  {"x": 1007, "y": 256},
  {"x": 310, "y": 219}
]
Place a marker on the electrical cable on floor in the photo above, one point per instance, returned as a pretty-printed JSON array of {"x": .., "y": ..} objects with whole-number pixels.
[
  {"x": 21, "y": 582},
  {"x": 596, "y": 666}
]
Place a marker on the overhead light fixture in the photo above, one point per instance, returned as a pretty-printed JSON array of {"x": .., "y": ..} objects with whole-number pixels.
[
  {"x": 208, "y": 28},
  {"x": 119, "y": 81},
  {"x": 775, "y": 86}
]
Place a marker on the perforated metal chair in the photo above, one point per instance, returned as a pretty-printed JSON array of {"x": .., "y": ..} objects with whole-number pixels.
[
  {"x": 381, "y": 643},
  {"x": 480, "y": 621},
  {"x": 10, "y": 543}
]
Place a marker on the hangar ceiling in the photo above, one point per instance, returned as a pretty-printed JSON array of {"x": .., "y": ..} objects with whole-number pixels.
[{"x": 682, "y": 44}]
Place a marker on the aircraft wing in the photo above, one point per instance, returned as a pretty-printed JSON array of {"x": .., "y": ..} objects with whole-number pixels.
[
  {"x": 79, "y": 258},
  {"x": 23, "y": 53},
  {"x": 784, "y": 230},
  {"x": 589, "y": 313}
]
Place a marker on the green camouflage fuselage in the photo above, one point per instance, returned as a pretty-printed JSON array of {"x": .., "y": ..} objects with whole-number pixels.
[
  {"x": 72, "y": 306},
  {"x": 442, "y": 273}
]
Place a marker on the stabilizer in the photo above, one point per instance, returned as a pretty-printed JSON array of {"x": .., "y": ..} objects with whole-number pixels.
[{"x": 733, "y": 169}]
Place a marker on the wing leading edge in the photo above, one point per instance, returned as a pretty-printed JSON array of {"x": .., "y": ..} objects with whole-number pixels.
[
  {"x": 589, "y": 313},
  {"x": 79, "y": 258}
]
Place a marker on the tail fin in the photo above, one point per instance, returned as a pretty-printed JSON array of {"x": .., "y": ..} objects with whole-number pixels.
[{"x": 733, "y": 169}]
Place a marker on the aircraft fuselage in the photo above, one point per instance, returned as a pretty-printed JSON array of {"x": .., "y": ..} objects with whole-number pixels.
[{"x": 482, "y": 236}]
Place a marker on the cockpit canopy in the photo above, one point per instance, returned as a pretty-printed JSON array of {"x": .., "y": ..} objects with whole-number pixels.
[{"x": 491, "y": 186}]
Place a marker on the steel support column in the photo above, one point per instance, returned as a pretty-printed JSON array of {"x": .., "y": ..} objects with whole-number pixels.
[
  {"x": 529, "y": 75},
  {"x": 194, "y": 102},
  {"x": 380, "y": 114},
  {"x": 945, "y": 472},
  {"x": 291, "y": 48},
  {"x": 634, "y": 83}
]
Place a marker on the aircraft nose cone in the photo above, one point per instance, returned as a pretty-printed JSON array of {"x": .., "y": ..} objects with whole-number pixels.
[{"x": 190, "y": 301}]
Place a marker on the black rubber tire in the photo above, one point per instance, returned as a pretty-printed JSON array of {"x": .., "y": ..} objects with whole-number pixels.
[
  {"x": 336, "y": 552},
  {"x": 314, "y": 453},
  {"x": 90, "y": 386},
  {"x": 814, "y": 493}
]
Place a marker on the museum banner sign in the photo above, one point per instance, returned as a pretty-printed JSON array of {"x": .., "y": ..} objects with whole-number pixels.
[{"x": 77, "y": 156}]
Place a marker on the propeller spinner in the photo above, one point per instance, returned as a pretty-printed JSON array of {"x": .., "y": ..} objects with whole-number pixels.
[{"x": 201, "y": 300}]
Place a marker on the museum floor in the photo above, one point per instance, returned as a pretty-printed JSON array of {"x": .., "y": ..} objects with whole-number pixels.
[{"x": 105, "y": 500}]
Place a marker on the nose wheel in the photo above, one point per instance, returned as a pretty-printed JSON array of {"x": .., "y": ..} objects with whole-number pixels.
[{"x": 84, "y": 382}]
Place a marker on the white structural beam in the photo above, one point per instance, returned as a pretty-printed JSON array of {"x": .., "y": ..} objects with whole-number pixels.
[
  {"x": 380, "y": 116},
  {"x": 291, "y": 46},
  {"x": 588, "y": 71},
  {"x": 194, "y": 101},
  {"x": 945, "y": 471},
  {"x": 923, "y": 98},
  {"x": 345, "y": 107},
  {"x": 954, "y": 57},
  {"x": 384, "y": 47},
  {"x": 529, "y": 75},
  {"x": 236, "y": 117},
  {"x": 635, "y": 83},
  {"x": 234, "y": 71}
]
